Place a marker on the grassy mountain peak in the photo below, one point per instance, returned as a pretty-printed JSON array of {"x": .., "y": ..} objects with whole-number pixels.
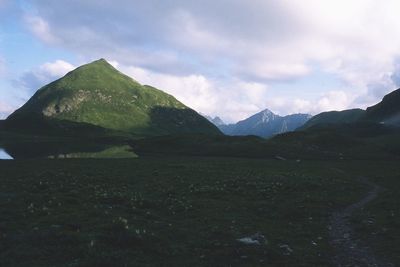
[{"x": 99, "y": 94}]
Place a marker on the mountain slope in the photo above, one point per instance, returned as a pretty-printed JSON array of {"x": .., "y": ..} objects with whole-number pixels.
[
  {"x": 265, "y": 124},
  {"x": 334, "y": 117},
  {"x": 386, "y": 111},
  {"x": 98, "y": 94}
]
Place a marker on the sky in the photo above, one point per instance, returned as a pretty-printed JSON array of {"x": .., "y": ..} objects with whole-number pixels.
[{"x": 226, "y": 58}]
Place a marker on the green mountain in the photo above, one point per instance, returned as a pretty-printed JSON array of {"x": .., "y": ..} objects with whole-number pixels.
[
  {"x": 97, "y": 94},
  {"x": 334, "y": 117},
  {"x": 387, "y": 111}
]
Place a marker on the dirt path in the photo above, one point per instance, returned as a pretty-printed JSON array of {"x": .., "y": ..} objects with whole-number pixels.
[{"x": 348, "y": 250}]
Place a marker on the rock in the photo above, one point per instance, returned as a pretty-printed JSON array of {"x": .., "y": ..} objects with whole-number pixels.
[
  {"x": 256, "y": 239},
  {"x": 287, "y": 249},
  {"x": 248, "y": 241}
]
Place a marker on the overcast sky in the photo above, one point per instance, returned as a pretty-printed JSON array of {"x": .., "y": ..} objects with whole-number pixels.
[{"x": 230, "y": 58}]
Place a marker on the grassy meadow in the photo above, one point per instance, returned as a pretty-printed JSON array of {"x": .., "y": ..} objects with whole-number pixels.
[{"x": 159, "y": 211}]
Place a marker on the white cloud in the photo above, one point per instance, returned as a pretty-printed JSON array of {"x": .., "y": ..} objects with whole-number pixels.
[
  {"x": 57, "y": 68},
  {"x": 32, "y": 80},
  {"x": 333, "y": 100}
]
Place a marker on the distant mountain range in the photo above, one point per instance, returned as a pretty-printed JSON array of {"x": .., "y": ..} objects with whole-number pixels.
[
  {"x": 264, "y": 124},
  {"x": 97, "y": 96}
]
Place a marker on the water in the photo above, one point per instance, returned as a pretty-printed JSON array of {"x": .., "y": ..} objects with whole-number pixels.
[
  {"x": 4, "y": 154},
  {"x": 57, "y": 150}
]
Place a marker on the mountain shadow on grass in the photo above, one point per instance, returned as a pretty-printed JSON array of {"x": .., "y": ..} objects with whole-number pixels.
[
  {"x": 362, "y": 129},
  {"x": 180, "y": 121},
  {"x": 162, "y": 121},
  {"x": 38, "y": 125},
  {"x": 203, "y": 145}
]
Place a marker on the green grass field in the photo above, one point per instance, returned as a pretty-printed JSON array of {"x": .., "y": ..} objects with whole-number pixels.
[{"x": 186, "y": 211}]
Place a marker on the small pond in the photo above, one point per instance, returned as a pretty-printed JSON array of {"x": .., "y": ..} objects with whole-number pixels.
[
  {"x": 4, "y": 154},
  {"x": 56, "y": 150}
]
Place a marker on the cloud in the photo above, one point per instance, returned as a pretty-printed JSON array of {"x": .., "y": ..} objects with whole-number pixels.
[
  {"x": 2, "y": 66},
  {"x": 219, "y": 52},
  {"x": 57, "y": 68},
  {"x": 207, "y": 96},
  {"x": 3, "y": 3},
  {"x": 275, "y": 71},
  {"x": 40, "y": 28},
  {"x": 19, "y": 90},
  {"x": 395, "y": 76},
  {"x": 5, "y": 109},
  {"x": 333, "y": 100},
  {"x": 185, "y": 34},
  {"x": 32, "y": 80},
  {"x": 378, "y": 88}
]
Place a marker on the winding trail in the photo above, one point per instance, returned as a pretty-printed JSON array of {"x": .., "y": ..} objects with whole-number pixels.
[{"x": 348, "y": 250}]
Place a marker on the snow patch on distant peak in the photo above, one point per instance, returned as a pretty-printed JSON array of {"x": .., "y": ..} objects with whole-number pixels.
[{"x": 267, "y": 115}]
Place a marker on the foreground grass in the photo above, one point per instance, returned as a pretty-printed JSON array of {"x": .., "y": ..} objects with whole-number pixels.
[{"x": 171, "y": 212}]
